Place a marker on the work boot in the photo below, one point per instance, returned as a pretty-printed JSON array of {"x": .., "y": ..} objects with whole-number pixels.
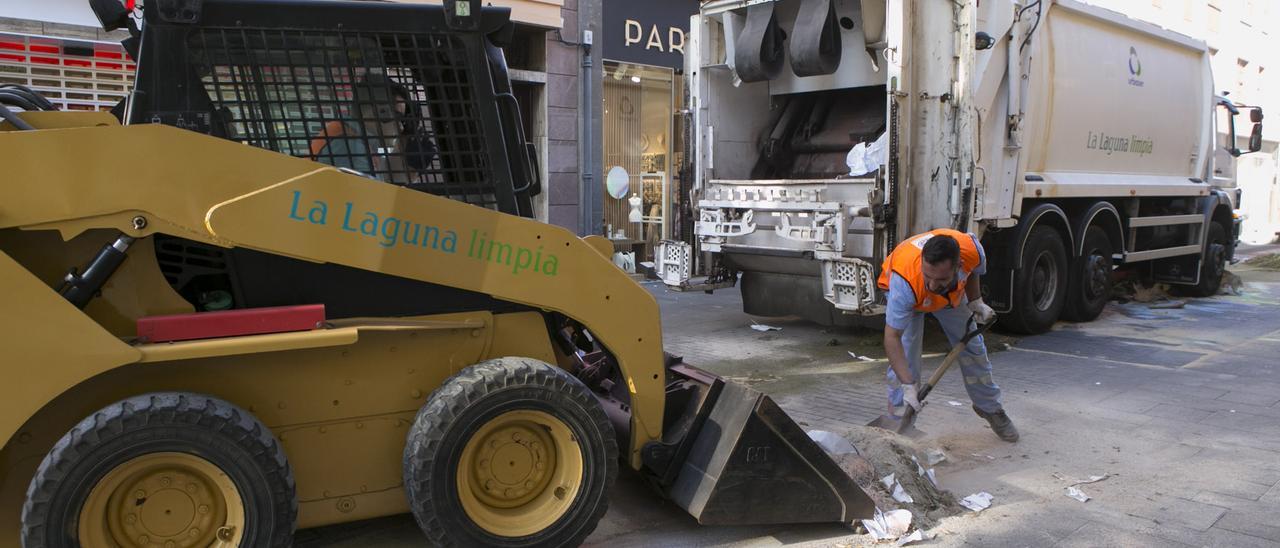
[{"x": 1000, "y": 423}]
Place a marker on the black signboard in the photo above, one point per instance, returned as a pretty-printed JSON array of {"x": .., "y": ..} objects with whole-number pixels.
[{"x": 647, "y": 32}]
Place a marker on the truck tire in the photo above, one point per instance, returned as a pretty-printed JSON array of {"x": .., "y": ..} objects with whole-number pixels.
[
  {"x": 1039, "y": 285},
  {"x": 1089, "y": 283},
  {"x": 510, "y": 452},
  {"x": 160, "y": 469},
  {"x": 1212, "y": 265}
]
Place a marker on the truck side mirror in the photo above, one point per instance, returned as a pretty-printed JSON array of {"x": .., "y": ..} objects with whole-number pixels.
[
  {"x": 1255, "y": 115},
  {"x": 1255, "y": 138}
]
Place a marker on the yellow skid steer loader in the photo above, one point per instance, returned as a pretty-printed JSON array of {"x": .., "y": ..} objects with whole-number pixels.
[{"x": 213, "y": 344}]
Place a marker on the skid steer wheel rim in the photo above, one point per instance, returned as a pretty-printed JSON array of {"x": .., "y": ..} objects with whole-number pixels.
[
  {"x": 174, "y": 500},
  {"x": 519, "y": 473}
]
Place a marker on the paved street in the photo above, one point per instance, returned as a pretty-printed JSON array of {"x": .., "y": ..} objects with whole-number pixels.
[{"x": 1179, "y": 407}]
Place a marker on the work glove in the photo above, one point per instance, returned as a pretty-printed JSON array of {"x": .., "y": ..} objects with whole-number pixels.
[
  {"x": 910, "y": 396},
  {"x": 981, "y": 312}
]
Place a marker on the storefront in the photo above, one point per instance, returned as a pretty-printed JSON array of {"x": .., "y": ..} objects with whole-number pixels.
[{"x": 643, "y": 49}]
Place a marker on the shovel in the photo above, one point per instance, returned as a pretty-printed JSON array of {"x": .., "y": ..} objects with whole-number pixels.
[{"x": 905, "y": 425}]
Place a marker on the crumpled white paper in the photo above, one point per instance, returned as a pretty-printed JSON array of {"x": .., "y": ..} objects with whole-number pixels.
[
  {"x": 919, "y": 469},
  {"x": 915, "y": 536},
  {"x": 1072, "y": 491},
  {"x": 763, "y": 327},
  {"x": 899, "y": 494},
  {"x": 864, "y": 158},
  {"x": 832, "y": 443},
  {"x": 977, "y": 501},
  {"x": 888, "y": 525},
  {"x": 1077, "y": 494}
]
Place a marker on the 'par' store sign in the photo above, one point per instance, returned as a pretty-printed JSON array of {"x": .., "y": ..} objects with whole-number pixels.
[{"x": 649, "y": 32}]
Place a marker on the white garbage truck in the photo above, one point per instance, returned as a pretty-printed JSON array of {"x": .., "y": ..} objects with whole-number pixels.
[{"x": 1071, "y": 139}]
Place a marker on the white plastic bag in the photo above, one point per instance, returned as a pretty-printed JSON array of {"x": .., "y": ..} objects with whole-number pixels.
[{"x": 865, "y": 158}]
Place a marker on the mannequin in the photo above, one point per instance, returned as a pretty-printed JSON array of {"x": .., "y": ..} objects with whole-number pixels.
[{"x": 636, "y": 215}]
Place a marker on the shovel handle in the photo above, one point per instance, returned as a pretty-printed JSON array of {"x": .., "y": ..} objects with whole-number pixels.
[{"x": 978, "y": 329}]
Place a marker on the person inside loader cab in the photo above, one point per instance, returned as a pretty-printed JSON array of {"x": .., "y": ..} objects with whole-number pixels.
[
  {"x": 383, "y": 136},
  {"x": 938, "y": 272}
]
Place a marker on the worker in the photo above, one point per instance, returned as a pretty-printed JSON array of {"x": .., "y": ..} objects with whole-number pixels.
[{"x": 938, "y": 273}]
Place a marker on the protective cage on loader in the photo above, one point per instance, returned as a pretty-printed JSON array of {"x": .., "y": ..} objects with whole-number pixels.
[{"x": 214, "y": 344}]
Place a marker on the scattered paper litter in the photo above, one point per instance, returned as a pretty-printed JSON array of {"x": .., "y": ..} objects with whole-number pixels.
[
  {"x": 934, "y": 456},
  {"x": 888, "y": 525},
  {"x": 855, "y": 356},
  {"x": 1070, "y": 482},
  {"x": 832, "y": 443},
  {"x": 977, "y": 501},
  {"x": 901, "y": 495},
  {"x": 932, "y": 478},
  {"x": 1077, "y": 494},
  {"x": 915, "y": 536},
  {"x": 763, "y": 327},
  {"x": 988, "y": 457},
  {"x": 864, "y": 158},
  {"x": 954, "y": 403}
]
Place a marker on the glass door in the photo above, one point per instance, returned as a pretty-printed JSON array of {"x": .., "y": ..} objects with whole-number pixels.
[{"x": 638, "y": 107}]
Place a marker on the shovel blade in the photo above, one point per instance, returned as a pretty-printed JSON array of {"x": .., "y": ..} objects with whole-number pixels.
[{"x": 905, "y": 425}]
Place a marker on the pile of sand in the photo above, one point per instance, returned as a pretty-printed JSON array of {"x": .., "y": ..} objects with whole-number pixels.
[
  {"x": 1268, "y": 261},
  {"x": 881, "y": 453},
  {"x": 1135, "y": 290}
]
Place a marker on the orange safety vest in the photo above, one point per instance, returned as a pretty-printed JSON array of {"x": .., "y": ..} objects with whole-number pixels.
[{"x": 905, "y": 261}]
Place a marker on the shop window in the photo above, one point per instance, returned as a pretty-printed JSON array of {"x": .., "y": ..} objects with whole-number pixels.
[{"x": 639, "y": 156}]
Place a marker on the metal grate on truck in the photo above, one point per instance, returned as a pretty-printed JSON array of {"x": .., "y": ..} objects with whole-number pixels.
[{"x": 395, "y": 107}]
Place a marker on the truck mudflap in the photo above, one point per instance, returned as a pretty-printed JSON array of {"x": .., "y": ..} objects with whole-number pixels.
[{"x": 733, "y": 457}]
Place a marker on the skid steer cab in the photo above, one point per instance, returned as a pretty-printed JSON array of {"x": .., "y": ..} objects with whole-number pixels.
[{"x": 293, "y": 281}]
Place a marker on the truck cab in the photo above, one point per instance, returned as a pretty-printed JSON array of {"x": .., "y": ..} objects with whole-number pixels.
[{"x": 1222, "y": 168}]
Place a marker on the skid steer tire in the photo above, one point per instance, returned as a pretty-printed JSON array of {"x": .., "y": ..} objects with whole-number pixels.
[
  {"x": 174, "y": 469},
  {"x": 510, "y": 452}
]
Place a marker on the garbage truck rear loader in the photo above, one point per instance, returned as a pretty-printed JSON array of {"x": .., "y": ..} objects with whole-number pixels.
[{"x": 1071, "y": 139}]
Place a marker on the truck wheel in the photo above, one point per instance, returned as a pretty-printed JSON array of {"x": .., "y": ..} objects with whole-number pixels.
[
  {"x": 1039, "y": 284},
  {"x": 510, "y": 452},
  {"x": 1213, "y": 264},
  {"x": 1089, "y": 285},
  {"x": 165, "y": 469}
]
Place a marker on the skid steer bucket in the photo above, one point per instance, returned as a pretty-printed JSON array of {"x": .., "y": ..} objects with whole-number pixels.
[{"x": 735, "y": 458}]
